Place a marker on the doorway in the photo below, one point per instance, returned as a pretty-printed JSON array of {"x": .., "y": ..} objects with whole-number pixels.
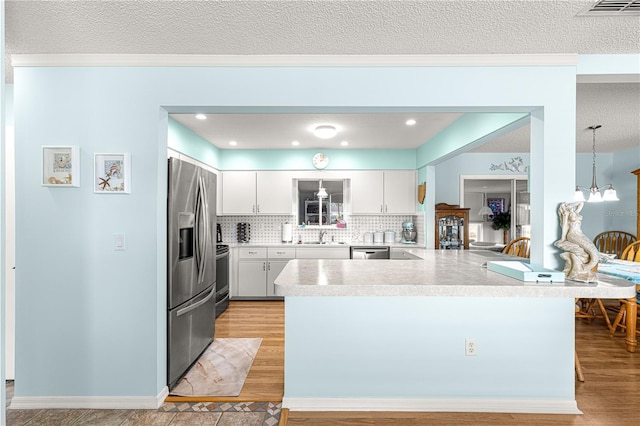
[{"x": 504, "y": 196}]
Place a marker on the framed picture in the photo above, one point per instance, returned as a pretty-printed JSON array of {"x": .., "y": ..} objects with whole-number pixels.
[
  {"x": 496, "y": 205},
  {"x": 61, "y": 166},
  {"x": 112, "y": 174}
]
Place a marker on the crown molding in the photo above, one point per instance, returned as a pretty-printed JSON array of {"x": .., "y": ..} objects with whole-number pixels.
[{"x": 132, "y": 60}]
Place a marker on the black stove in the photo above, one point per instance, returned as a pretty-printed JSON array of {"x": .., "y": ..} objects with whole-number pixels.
[{"x": 222, "y": 278}]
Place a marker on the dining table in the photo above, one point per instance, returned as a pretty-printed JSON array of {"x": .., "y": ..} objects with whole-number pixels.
[{"x": 629, "y": 271}]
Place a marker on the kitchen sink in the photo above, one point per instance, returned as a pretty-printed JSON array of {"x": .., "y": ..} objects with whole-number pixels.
[{"x": 328, "y": 243}]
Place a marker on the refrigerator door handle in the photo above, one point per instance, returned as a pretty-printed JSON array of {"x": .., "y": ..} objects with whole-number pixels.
[
  {"x": 205, "y": 221},
  {"x": 197, "y": 230},
  {"x": 190, "y": 308},
  {"x": 201, "y": 244}
]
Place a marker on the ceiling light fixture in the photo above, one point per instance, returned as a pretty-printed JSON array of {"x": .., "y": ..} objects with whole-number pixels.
[
  {"x": 325, "y": 131},
  {"x": 233, "y": 143},
  {"x": 344, "y": 143},
  {"x": 201, "y": 116},
  {"x": 485, "y": 208},
  {"x": 594, "y": 192},
  {"x": 410, "y": 122},
  {"x": 322, "y": 192},
  {"x": 295, "y": 143}
]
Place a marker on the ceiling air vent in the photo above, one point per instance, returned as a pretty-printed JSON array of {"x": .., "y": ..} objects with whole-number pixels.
[{"x": 613, "y": 8}]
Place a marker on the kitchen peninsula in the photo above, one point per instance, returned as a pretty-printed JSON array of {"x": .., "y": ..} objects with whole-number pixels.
[{"x": 438, "y": 334}]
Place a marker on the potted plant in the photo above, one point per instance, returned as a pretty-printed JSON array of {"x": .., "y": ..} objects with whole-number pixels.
[{"x": 502, "y": 221}]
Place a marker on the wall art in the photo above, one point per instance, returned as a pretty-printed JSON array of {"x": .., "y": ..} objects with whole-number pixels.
[
  {"x": 112, "y": 174},
  {"x": 61, "y": 166}
]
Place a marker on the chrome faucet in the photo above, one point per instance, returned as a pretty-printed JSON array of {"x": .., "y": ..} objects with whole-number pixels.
[{"x": 322, "y": 233}]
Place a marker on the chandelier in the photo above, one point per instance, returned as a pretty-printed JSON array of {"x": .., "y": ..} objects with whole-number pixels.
[{"x": 594, "y": 191}]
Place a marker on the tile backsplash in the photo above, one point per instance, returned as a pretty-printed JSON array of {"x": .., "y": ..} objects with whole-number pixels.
[{"x": 268, "y": 229}]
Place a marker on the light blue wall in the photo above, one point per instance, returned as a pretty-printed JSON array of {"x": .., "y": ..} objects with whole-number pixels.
[
  {"x": 597, "y": 217},
  {"x": 285, "y": 159},
  {"x": 184, "y": 140},
  {"x": 413, "y": 347},
  {"x": 468, "y": 129},
  {"x": 448, "y": 172},
  {"x": 2, "y": 219},
  {"x": 623, "y": 214},
  {"x": 99, "y": 312}
]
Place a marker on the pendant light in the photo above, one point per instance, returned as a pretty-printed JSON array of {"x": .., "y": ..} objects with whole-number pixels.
[
  {"x": 322, "y": 192},
  {"x": 594, "y": 192},
  {"x": 484, "y": 209}
]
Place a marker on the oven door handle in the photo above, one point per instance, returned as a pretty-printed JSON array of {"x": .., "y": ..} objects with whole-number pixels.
[{"x": 196, "y": 305}]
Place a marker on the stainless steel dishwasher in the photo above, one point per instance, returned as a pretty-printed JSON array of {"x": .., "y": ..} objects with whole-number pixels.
[{"x": 367, "y": 252}]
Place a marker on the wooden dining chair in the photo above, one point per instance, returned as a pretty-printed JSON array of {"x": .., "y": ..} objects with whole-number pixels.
[
  {"x": 631, "y": 253},
  {"x": 613, "y": 242},
  {"x": 518, "y": 247}
]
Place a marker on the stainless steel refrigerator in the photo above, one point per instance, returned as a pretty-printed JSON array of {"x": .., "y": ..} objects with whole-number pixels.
[{"x": 191, "y": 293}]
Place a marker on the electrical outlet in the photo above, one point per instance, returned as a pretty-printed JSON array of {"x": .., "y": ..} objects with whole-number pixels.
[{"x": 470, "y": 347}]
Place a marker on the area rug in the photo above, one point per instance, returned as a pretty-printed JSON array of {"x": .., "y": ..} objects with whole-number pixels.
[{"x": 221, "y": 370}]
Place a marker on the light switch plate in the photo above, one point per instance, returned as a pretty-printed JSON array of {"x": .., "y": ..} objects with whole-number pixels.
[{"x": 119, "y": 242}]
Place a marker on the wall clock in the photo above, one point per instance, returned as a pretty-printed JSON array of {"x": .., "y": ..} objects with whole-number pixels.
[{"x": 320, "y": 160}]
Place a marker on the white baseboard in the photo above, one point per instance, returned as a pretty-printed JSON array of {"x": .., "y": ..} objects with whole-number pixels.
[
  {"x": 90, "y": 402},
  {"x": 535, "y": 406}
]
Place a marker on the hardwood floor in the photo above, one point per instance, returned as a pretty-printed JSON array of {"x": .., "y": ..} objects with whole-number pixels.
[
  {"x": 609, "y": 396},
  {"x": 265, "y": 382}
]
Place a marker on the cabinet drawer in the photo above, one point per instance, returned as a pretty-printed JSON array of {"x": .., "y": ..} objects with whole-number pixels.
[
  {"x": 281, "y": 253},
  {"x": 322, "y": 253},
  {"x": 252, "y": 253}
]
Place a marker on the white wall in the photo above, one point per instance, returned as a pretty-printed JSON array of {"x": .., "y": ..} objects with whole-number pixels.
[{"x": 100, "y": 313}]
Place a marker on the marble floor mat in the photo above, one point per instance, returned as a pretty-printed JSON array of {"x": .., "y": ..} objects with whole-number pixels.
[{"x": 221, "y": 370}]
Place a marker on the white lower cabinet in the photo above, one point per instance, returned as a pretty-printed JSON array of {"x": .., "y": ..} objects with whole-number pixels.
[
  {"x": 274, "y": 267},
  {"x": 251, "y": 278},
  {"x": 258, "y": 267},
  {"x": 322, "y": 252}
]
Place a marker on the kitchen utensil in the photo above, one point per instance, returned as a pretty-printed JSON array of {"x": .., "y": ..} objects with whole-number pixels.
[
  {"x": 287, "y": 232},
  {"x": 243, "y": 232},
  {"x": 409, "y": 233},
  {"x": 389, "y": 236}
]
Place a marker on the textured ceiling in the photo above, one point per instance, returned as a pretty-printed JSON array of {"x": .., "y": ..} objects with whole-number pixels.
[
  {"x": 384, "y": 27},
  {"x": 615, "y": 106},
  {"x": 375, "y": 27}
]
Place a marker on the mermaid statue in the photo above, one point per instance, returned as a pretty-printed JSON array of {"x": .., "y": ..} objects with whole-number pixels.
[{"x": 580, "y": 254}]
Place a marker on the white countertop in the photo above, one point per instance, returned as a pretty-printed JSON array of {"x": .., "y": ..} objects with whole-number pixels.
[
  {"x": 327, "y": 245},
  {"x": 440, "y": 273}
]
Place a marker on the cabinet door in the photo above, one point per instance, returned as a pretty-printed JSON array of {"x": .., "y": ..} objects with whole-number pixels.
[
  {"x": 322, "y": 252},
  {"x": 274, "y": 193},
  {"x": 252, "y": 278},
  {"x": 367, "y": 192},
  {"x": 400, "y": 192},
  {"x": 274, "y": 267},
  {"x": 239, "y": 192}
]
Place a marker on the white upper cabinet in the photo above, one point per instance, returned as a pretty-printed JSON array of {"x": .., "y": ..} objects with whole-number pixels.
[
  {"x": 367, "y": 192},
  {"x": 400, "y": 191},
  {"x": 274, "y": 192},
  {"x": 384, "y": 192},
  {"x": 249, "y": 192}
]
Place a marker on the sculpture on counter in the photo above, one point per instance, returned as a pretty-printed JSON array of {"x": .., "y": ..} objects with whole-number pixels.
[{"x": 581, "y": 255}]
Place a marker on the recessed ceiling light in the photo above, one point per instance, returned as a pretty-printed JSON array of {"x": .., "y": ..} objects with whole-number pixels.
[
  {"x": 233, "y": 143},
  {"x": 201, "y": 116},
  {"x": 344, "y": 143},
  {"x": 410, "y": 122},
  {"x": 295, "y": 143},
  {"x": 325, "y": 131}
]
